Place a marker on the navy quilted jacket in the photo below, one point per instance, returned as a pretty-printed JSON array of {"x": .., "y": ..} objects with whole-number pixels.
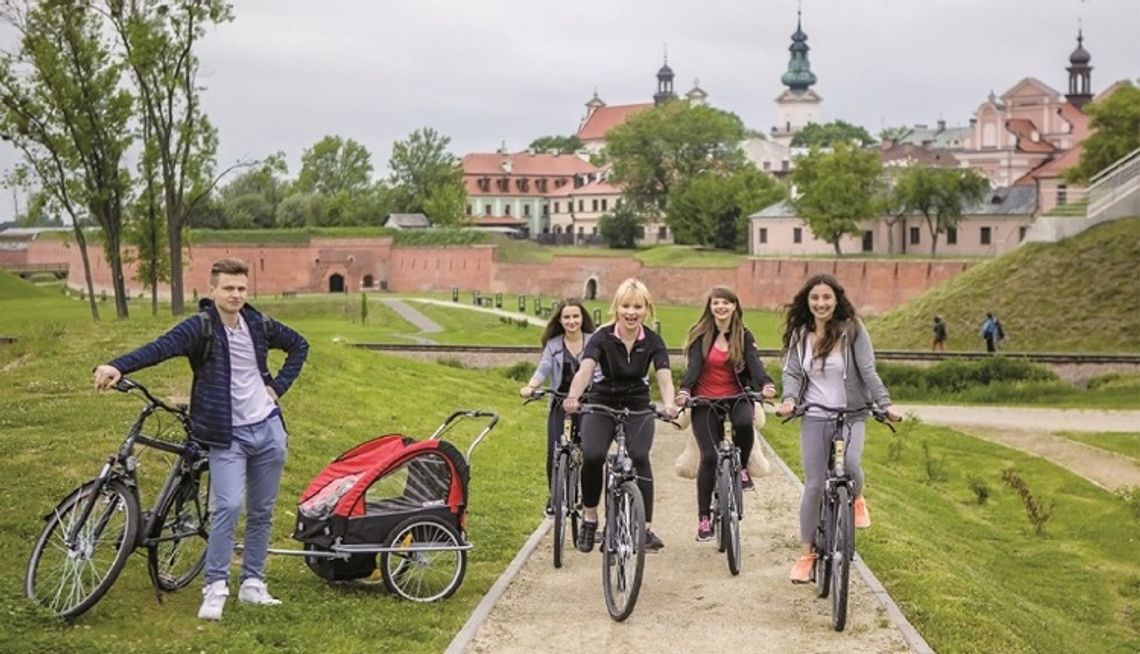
[{"x": 210, "y": 400}]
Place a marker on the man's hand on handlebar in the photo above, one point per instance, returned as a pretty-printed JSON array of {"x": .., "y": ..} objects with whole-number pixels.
[{"x": 106, "y": 377}]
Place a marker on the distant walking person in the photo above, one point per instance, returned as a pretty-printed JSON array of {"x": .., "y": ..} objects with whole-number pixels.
[
  {"x": 992, "y": 332},
  {"x": 234, "y": 410},
  {"x": 939, "y": 342}
]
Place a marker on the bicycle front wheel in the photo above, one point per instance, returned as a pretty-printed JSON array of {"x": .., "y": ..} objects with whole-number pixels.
[
  {"x": 729, "y": 516},
  {"x": 69, "y": 577},
  {"x": 176, "y": 552},
  {"x": 559, "y": 503},
  {"x": 624, "y": 555},
  {"x": 842, "y": 553},
  {"x": 823, "y": 539}
]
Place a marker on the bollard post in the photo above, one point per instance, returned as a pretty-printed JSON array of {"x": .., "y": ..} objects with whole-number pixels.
[
  {"x": 522, "y": 304},
  {"x": 498, "y": 300},
  {"x": 454, "y": 293}
]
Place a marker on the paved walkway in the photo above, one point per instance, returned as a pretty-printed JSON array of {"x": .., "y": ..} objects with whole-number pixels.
[
  {"x": 470, "y": 307},
  {"x": 423, "y": 323}
]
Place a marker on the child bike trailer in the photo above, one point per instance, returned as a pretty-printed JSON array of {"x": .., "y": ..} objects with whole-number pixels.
[{"x": 399, "y": 498}]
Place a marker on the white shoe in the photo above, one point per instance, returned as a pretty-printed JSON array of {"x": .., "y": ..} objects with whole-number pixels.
[
  {"x": 254, "y": 591},
  {"x": 213, "y": 600}
]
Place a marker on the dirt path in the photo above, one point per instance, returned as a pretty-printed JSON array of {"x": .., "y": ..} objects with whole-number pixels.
[
  {"x": 688, "y": 590},
  {"x": 1030, "y": 430}
]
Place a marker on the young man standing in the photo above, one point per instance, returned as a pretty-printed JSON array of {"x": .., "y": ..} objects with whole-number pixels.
[{"x": 234, "y": 411}]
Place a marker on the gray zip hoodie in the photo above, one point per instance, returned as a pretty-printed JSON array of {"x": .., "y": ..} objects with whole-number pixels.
[{"x": 860, "y": 378}]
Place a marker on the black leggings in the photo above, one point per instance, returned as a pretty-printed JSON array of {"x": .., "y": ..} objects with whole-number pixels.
[
  {"x": 597, "y": 434},
  {"x": 708, "y": 427}
]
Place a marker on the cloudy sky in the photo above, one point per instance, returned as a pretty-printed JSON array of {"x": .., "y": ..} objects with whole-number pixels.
[{"x": 483, "y": 72}]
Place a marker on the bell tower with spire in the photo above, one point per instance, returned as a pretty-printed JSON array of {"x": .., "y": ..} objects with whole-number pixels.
[
  {"x": 1080, "y": 74},
  {"x": 798, "y": 105},
  {"x": 664, "y": 84}
]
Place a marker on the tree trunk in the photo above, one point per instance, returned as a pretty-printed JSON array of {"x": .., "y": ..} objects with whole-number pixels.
[{"x": 81, "y": 243}]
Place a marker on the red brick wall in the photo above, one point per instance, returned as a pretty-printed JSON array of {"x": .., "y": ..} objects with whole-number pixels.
[{"x": 874, "y": 286}]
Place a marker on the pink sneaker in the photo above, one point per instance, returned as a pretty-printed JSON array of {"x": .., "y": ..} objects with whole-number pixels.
[
  {"x": 862, "y": 515},
  {"x": 704, "y": 529},
  {"x": 801, "y": 571}
]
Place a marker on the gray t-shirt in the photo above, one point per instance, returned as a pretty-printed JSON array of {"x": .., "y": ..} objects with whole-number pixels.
[{"x": 825, "y": 384}]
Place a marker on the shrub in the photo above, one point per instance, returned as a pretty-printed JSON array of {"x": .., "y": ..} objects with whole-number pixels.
[
  {"x": 1130, "y": 495},
  {"x": 1034, "y": 508},
  {"x": 520, "y": 371},
  {"x": 981, "y": 489},
  {"x": 934, "y": 467},
  {"x": 451, "y": 362}
]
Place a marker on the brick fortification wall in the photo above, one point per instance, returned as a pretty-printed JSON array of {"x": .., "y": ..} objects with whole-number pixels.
[{"x": 875, "y": 286}]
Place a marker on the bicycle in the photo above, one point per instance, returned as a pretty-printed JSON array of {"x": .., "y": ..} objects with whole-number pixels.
[
  {"x": 88, "y": 536},
  {"x": 565, "y": 480},
  {"x": 727, "y": 507},
  {"x": 623, "y": 536},
  {"x": 835, "y": 532}
]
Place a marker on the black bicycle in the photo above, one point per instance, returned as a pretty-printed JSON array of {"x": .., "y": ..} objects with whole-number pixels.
[
  {"x": 727, "y": 506},
  {"x": 88, "y": 536},
  {"x": 565, "y": 480},
  {"x": 623, "y": 539},
  {"x": 835, "y": 533}
]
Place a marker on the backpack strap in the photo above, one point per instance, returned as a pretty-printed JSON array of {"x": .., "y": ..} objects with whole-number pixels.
[{"x": 205, "y": 340}]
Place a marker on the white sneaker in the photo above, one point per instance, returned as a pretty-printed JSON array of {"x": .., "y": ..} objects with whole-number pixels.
[
  {"x": 254, "y": 591},
  {"x": 213, "y": 600}
]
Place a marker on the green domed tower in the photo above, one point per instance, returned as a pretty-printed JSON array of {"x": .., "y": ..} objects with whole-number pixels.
[{"x": 799, "y": 76}]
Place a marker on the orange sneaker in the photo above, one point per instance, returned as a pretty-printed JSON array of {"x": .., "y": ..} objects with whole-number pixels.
[
  {"x": 801, "y": 571},
  {"x": 862, "y": 516}
]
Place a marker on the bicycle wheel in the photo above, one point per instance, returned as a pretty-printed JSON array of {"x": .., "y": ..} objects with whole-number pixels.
[
  {"x": 176, "y": 552},
  {"x": 822, "y": 568},
  {"x": 558, "y": 503},
  {"x": 428, "y": 565},
  {"x": 729, "y": 519},
  {"x": 624, "y": 555},
  {"x": 70, "y": 578},
  {"x": 574, "y": 496},
  {"x": 842, "y": 553}
]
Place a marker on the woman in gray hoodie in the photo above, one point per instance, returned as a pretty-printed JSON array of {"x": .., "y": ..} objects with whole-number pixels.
[{"x": 829, "y": 361}]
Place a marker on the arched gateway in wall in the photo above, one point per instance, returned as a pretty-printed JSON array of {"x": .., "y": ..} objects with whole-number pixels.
[
  {"x": 591, "y": 290},
  {"x": 336, "y": 283}
]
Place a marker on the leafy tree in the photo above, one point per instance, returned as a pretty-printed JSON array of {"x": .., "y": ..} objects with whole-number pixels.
[
  {"x": 159, "y": 39},
  {"x": 293, "y": 210},
  {"x": 40, "y": 212},
  {"x": 251, "y": 198},
  {"x": 828, "y": 135},
  {"x": 147, "y": 225},
  {"x": 620, "y": 229},
  {"x": 1115, "y": 122},
  {"x": 659, "y": 148},
  {"x": 333, "y": 165},
  {"x": 426, "y": 178},
  {"x": 712, "y": 209},
  {"x": 63, "y": 106},
  {"x": 838, "y": 191},
  {"x": 938, "y": 194},
  {"x": 557, "y": 144}
]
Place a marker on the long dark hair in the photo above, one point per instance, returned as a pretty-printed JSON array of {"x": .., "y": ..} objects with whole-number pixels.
[
  {"x": 704, "y": 330},
  {"x": 554, "y": 325},
  {"x": 799, "y": 315}
]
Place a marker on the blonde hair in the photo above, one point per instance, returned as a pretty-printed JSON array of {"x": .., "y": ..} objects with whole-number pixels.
[{"x": 633, "y": 289}]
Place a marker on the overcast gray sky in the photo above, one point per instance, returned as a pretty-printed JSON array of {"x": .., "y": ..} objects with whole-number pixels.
[{"x": 287, "y": 72}]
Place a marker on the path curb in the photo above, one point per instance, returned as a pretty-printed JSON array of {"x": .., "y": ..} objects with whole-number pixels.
[
  {"x": 914, "y": 639},
  {"x": 483, "y": 609}
]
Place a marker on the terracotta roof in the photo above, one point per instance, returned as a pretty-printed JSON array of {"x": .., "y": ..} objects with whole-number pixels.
[
  {"x": 593, "y": 188},
  {"x": 606, "y": 118},
  {"x": 1053, "y": 168},
  {"x": 524, "y": 163},
  {"x": 917, "y": 154},
  {"x": 1023, "y": 129}
]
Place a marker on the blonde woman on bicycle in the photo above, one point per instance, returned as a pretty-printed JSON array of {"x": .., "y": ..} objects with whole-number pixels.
[
  {"x": 828, "y": 361},
  {"x": 723, "y": 361},
  {"x": 615, "y": 366}
]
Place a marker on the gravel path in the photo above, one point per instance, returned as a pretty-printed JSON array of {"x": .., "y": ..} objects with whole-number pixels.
[{"x": 423, "y": 323}]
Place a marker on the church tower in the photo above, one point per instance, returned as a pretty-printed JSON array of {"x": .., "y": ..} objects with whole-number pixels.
[
  {"x": 664, "y": 84},
  {"x": 798, "y": 105},
  {"x": 1080, "y": 74}
]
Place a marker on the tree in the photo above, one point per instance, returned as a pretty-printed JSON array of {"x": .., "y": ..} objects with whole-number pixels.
[
  {"x": 938, "y": 194},
  {"x": 712, "y": 209},
  {"x": 146, "y": 227},
  {"x": 41, "y": 211},
  {"x": 333, "y": 165},
  {"x": 426, "y": 178},
  {"x": 251, "y": 198},
  {"x": 159, "y": 39},
  {"x": 621, "y": 228},
  {"x": 557, "y": 144},
  {"x": 658, "y": 148},
  {"x": 63, "y": 106},
  {"x": 828, "y": 135},
  {"x": 1115, "y": 125},
  {"x": 838, "y": 191}
]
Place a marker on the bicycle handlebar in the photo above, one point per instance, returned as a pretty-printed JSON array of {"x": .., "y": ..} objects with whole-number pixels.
[
  {"x": 126, "y": 385},
  {"x": 874, "y": 411},
  {"x": 623, "y": 415},
  {"x": 540, "y": 393},
  {"x": 702, "y": 400}
]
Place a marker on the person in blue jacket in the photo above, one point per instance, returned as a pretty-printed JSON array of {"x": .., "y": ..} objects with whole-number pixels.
[
  {"x": 234, "y": 412},
  {"x": 563, "y": 340}
]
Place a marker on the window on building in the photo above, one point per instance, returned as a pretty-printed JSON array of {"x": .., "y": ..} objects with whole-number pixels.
[
  {"x": 763, "y": 234},
  {"x": 594, "y": 231},
  {"x": 1062, "y": 195},
  {"x": 594, "y": 205},
  {"x": 557, "y": 207},
  {"x": 546, "y": 209},
  {"x": 797, "y": 235},
  {"x": 662, "y": 232},
  {"x": 526, "y": 209},
  {"x": 784, "y": 164},
  {"x": 581, "y": 206},
  {"x": 617, "y": 203},
  {"x": 1021, "y": 233},
  {"x": 468, "y": 210},
  {"x": 581, "y": 229},
  {"x": 986, "y": 236},
  {"x": 486, "y": 210},
  {"x": 507, "y": 210},
  {"x": 605, "y": 204},
  {"x": 915, "y": 236},
  {"x": 951, "y": 236},
  {"x": 868, "y": 241},
  {"x": 767, "y": 165}
]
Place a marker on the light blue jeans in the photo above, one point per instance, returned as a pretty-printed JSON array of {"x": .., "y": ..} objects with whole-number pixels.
[{"x": 249, "y": 469}]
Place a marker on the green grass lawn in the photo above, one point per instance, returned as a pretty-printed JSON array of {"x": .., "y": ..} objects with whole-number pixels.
[
  {"x": 1125, "y": 443},
  {"x": 973, "y": 577}
]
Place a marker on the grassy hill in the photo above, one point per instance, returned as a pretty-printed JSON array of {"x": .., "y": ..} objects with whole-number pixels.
[
  {"x": 1079, "y": 295},
  {"x": 12, "y": 287}
]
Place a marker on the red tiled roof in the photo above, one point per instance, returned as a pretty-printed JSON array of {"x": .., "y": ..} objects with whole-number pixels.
[
  {"x": 1023, "y": 129},
  {"x": 1053, "y": 168},
  {"x": 606, "y": 118},
  {"x": 523, "y": 163}
]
